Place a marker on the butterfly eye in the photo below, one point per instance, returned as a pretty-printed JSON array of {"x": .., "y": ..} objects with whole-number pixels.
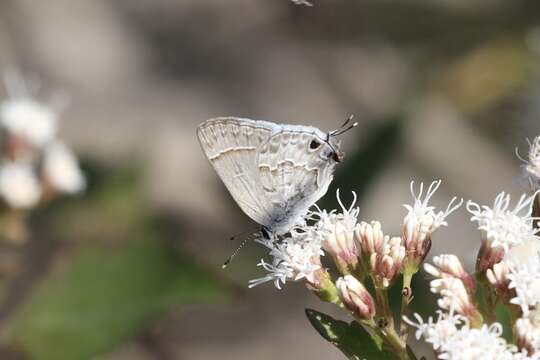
[
  {"x": 314, "y": 144},
  {"x": 336, "y": 157}
]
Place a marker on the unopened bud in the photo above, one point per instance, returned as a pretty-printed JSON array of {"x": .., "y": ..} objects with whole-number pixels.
[
  {"x": 498, "y": 278},
  {"x": 341, "y": 245},
  {"x": 355, "y": 297},
  {"x": 369, "y": 237},
  {"x": 323, "y": 286},
  {"x": 385, "y": 265},
  {"x": 488, "y": 256}
]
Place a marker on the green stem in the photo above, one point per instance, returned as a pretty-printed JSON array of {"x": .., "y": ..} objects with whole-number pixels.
[
  {"x": 387, "y": 331},
  {"x": 384, "y": 306},
  {"x": 489, "y": 311},
  {"x": 406, "y": 296},
  {"x": 515, "y": 313}
]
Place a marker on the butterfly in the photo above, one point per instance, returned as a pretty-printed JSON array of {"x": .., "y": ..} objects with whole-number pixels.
[{"x": 274, "y": 172}]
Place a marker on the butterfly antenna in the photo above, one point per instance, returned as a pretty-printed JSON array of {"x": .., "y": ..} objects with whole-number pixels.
[
  {"x": 344, "y": 127},
  {"x": 228, "y": 261}
]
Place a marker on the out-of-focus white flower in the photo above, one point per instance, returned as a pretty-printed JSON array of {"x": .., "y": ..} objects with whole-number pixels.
[
  {"x": 448, "y": 265},
  {"x": 294, "y": 258},
  {"x": 61, "y": 169},
  {"x": 453, "y": 339},
  {"x": 502, "y": 226},
  {"x": 355, "y": 297},
  {"x": 531, "y": 168},
  {"x": 422, "y": 220},
  {"x": 385, "y": 264},
  {"x": 302, "y": 2},
  {"x": 337, "y": 231},
  {"x": 19, "y": 185},
  {"x": 29, "y": 120},
  {"x": 525, "y": 280}
]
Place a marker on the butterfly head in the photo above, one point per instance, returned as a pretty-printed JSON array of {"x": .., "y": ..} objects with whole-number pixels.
[
  {"x": 332, "y": 150},
  {"x": 326, "y": 146}
]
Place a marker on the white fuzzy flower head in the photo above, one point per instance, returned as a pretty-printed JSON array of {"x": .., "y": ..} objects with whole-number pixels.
[
  {"x": 437, "y": 332},
  {"x": 293, "y": 258},
  {"x": 524, "y": 278},
  {"x": 455, "y": 297},
  {"x": 422, "y": 220},
  {"x": 19, "y": 185},
  {"x": 28, "y": 119},
  {"x": 453, "y": 339},
  {"x": 61, "y": 169},
  {"x": 502, "y": 226},
  {"x": 338, "y": 232}
]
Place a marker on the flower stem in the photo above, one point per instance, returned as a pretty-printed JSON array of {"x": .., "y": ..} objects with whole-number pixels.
[
  {"x": 386, "y": 326},
  {"x": 406, "y": 297},
  {"x": 384, "y": 307},
  {"x": 489, "y": 311}
]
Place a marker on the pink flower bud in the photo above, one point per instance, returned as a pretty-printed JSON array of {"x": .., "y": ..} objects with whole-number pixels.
[
  {"x": 498, "y": 277},
  {"x": 385, "y": 265},
  {"x": 341, "y": 245},
  {"x": 488, "y": 256},
  {"x": 355, "y": 297},
  {"x": 337, "y": 229},
  {"x": 369, "y": 237}
]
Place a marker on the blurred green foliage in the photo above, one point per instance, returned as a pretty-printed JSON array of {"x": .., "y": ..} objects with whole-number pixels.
[{"x": 119, "y": 272}]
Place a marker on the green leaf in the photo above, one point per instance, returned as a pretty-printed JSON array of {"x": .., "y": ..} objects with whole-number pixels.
[
  {"x": 105, "y": 296},
  {"x": 351, "y": 338}
]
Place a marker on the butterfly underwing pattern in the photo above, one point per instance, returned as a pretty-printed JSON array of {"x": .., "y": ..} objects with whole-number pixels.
[{"x": 274, "y": 172}]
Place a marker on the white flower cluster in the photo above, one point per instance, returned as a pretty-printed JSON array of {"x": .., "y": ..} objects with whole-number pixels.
[
  {"x": 34, "y": 164},
  {"x": 294, "y": 258},
  {"x": 453, "y": 339},
  {"x": 514, "y": 274},
  {"x": 524, "y": 278},
  {"x": 502, "y": 226},
  {"x": 340, "y": 234}
]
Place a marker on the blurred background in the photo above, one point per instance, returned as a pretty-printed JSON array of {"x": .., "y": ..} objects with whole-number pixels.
[{"x": 132, "y": 268}]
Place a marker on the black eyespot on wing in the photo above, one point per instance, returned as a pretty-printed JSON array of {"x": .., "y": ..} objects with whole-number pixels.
[{"x": 314, "y": 144}]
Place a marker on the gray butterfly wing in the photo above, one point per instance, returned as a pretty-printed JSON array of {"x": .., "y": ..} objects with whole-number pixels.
[
  {"x": 296, "y": 167},
  {"x": 231, "y": 145}
]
